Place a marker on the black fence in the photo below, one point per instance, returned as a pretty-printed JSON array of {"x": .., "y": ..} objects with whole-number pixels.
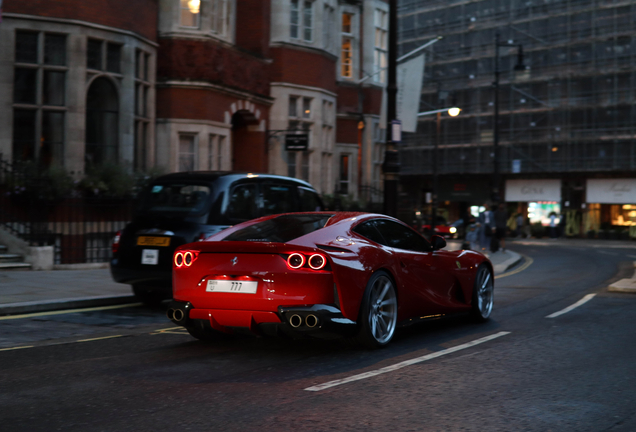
[{"x": 79, "y": 227}]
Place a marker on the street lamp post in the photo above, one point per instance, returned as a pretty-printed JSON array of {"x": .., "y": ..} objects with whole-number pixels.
[
  {"x": 453, "y": 112},
  {"x": 495, "y": 143},
  {"x": 391, "y": 166}
]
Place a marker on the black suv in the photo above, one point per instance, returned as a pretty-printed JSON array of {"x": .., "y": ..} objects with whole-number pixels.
[{"x": 180, "y": 208}]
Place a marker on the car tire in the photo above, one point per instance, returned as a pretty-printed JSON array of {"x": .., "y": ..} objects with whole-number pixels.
[
  {"x": 202, "y": 330},
  {"x": 149, "y": 296},
  {"x": 378, "y": 312},
  {"x": 483, "y": 294}
]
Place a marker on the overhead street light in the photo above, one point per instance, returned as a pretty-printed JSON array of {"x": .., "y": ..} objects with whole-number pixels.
[{"x": 453, "y": 112}]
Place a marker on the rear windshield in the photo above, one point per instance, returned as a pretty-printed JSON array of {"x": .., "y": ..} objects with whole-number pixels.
[
  {"x": 176, "y": 198},
  {"x": 281, "y": 229}
]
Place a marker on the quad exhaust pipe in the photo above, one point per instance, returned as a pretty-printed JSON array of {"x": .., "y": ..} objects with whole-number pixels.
[{"x": 310, "y": 320}]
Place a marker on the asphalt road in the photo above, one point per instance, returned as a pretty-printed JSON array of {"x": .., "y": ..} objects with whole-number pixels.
[{"x": 128, "y": 369}]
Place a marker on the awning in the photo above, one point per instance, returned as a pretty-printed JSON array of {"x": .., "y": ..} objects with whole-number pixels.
[{"x": 611, "y": 191}]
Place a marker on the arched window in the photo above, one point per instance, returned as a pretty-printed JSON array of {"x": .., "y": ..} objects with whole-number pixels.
[{"x": 102, "y": 122}]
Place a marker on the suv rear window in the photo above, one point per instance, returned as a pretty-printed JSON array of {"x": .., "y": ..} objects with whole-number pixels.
[
  {"x": 183, "y": 199},
  {"x": 281, "y": 229}
]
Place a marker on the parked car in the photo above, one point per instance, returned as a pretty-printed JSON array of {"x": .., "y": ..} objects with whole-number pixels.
[
  {"x": 324, "y": 274},
  {"x": 442, "y": 228},
  {"x": 181, "y": 208}
]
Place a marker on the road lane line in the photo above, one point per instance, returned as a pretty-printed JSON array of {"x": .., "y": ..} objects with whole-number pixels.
[
  {"x": 584, "y": 300},
  {"x": 98, "y": 338},
  {"x": 66, "y": 311},
  {"x": 16, "y": 348},
  {"x": 528, "y": 262},
  {"x": 404, "y": 364}
]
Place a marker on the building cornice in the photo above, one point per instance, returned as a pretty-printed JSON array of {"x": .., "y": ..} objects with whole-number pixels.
[
  {"x": 305, "y": 48},
  {"x": 193, "y": 121},
  {"x": 80, "y": 23},
  {"x": 202, "y": 85},
  {"x": 303, "y": 87}
]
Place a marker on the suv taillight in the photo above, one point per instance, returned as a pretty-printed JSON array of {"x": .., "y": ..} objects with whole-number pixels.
[{"x": 115, "y": 245}]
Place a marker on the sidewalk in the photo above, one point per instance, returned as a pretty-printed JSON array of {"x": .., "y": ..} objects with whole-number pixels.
[{"x": 38, "y": 291}]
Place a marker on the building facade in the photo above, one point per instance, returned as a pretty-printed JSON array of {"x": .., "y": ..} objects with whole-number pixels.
[
  {"x": 197, "y": 85},
  {"x": 77, "y": 82},
  {"x": 566, "y": 137}
]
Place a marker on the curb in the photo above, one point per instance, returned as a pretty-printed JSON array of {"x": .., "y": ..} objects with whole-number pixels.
[
  {"x": 625, "y": 285},
  {"x": 71, "y": 303},
  {"x": 508, "y": 264}
]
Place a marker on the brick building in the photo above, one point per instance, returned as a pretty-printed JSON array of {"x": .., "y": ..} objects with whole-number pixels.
[{"x": 197, "y": 85}]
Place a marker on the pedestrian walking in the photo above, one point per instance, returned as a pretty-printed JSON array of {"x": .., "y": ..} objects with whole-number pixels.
[
  {"x": 519, "y": 225},
  {"x": 486, "y": 226},
  {"x": 501, "y": 223},
  {"x": 553, "y": 226},
  {"x": 472, "y": 237}
]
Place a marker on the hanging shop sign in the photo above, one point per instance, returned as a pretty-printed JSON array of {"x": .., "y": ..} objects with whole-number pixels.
[
  {"x": 297, "y": 142},
  {"x": 533, "y": 190},
  {"x": 611, "y": 191}
]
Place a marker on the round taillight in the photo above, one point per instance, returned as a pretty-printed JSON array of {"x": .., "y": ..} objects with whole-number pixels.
[
  {"x": 187, "y": 258},
  {"x": 178, "y": 259},
  {"x": 317, "y": 261},
  {"x": 295, "y": 260}
]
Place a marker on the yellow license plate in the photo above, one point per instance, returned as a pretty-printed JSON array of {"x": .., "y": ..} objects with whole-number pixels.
[{"x": 153, "y": 241}]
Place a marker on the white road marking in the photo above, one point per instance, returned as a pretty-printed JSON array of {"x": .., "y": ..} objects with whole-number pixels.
[
  {"x": 584, "y": 300},
  {"x": 16, "y": 348},
  {"x": 404, "y": 364},
  {"x": 98, "y": 338},
  {"x": 62, "y": 312}
]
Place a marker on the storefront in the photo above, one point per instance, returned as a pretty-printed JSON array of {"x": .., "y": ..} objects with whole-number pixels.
[
  {"x": 611, "y": 206},
  {"x": 536, "y": 198}
]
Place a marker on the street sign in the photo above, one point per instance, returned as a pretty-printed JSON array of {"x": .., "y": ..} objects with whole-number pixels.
[
  {"x": 299, "y": 142},
  {"x": 396, "y": 131}
]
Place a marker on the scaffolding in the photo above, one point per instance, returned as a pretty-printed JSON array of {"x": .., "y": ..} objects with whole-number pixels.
[{"x": 571, "y": 111}]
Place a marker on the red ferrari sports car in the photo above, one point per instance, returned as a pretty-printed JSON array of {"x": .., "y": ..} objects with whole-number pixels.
[{"x": 324, "y": 274}]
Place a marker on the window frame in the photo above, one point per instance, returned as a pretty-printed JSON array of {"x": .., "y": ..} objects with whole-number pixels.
[
  {"x": 38, "y": 105},
  {"x": 186, "y": 8},
  {"x": 380, "y": 50},
  {"x": 302, "y": 20},
  {"x": 195, "y": 146}
]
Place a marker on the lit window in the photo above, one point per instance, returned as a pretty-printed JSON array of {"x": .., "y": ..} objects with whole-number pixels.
[
  {"x": 346, "y": 59},
  {"x": 346, "y": 23},
  {"x": 306, "y": 107},
  {"x": 190, "y": 13}
]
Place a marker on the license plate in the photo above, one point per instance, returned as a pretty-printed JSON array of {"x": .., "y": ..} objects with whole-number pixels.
[
  {"x": 153, "y": 241},
  {"x": 230, "y": 286},
  {"x": 150, "y": 256}
]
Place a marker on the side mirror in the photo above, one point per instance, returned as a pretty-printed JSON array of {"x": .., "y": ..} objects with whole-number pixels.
[{"x": 438, "y": 242}]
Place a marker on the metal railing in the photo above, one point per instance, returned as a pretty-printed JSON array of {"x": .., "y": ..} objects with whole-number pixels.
[{"x": 80, "y": 228}]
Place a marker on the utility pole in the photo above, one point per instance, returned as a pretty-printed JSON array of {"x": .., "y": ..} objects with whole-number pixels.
[
  {"x": 391, "y": 165},
  {"x": 495, "y": 197}
]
